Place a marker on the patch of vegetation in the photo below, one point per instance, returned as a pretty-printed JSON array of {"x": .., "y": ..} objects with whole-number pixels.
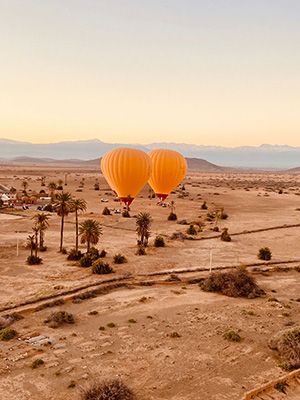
[
  {"x": 34, "y": 260},
  {"x": 64, "y": 251},
  {"x": 281, "y": 387},
  {"x": 174, "y": 335},
  {"x": 204, "y": 206},
  {"x": 100, "y": 267},
  {"x": 172, "y": 217},
  {"x": 102, "y": 254},
  {"x": 125, "y": 214},
  {"x": 86, "y": 261},
  {"x": 74, "y": 255},
  {"x": 119, "y": 259},
  {"x": 287, "y": 343},
  {"x": 7, "y": 334},
  {"x": 58, "y": 318},
  {"x": 113, "y": 389},
  {"x": 132, "y": 321},
  {"x": 94, "y": 312},
  {"x": 178, "y": 236},
  {"x": 141, "y": 251},
  {"x": 236, "y": 283},
  {"x": 225, "y": 237},
  {"x": 191, "y": 230},
  {"x": 264, "y": 254},
  {"x": 159, "y": 241},
  {"x": 72, "y": 384},
  {"x": 106, "y": 211},
  {"x": 101, "y": 328},
  {"x": 111, "y": 325},
  {"x": 232, "y": 336},
  {"x": 37, "y": 363}
]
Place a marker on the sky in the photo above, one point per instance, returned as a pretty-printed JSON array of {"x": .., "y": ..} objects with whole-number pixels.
[{"x": 212, "y": 72}]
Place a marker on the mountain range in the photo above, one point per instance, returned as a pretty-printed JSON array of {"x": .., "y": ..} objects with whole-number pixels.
[{"x": 264, "y": 156}]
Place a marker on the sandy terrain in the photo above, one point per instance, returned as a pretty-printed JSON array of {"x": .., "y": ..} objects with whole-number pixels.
[{"x": 199, "y": 363}]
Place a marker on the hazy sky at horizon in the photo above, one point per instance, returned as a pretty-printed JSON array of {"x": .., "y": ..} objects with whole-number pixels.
[{"x": 219, "y": 72}]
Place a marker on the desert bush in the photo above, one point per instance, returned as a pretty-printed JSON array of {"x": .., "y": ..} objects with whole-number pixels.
[
  {"x": 120, "y": 259},
  {"x": 264, "y": 254},
  {"x": 172, "y": 217},
  {"x": 7, "y": 334},
  {"x": 204, "y": 206},
  {"x": 182, "y": 222},
  {"x": 159, "y": 241},
  {"x": 96, "y": 186},
  {"x": 141, "y": 251},
  {"x": 237, "y": 283},
  {"x": 225, "y": 237},
  {"x": 232, "y": 336},
  {"x": 222, "y": 214},
  {"x": 125, "y": 214},
  {"x": 178, "y": 236},
  {"x": 86, "y": 261},
  {"x": 59, "y": 318},
  {"x": 113, "y": 389},
  {"x": 102, "y": 253},
  {"x": 191, "y": 230},
  {"x": 100, "y": 267},
  {"x": 64, "y": 251},
  {"x": 48, "y": 207},
  {"x": 287, "y": 343},
  {"x": 34, "y": 260},
  {"x": 37, "y": 363},
  {"x": 106, "y": 211},
  {"x": 74, "y": 255},
  {"x": 93, "y": 253}
]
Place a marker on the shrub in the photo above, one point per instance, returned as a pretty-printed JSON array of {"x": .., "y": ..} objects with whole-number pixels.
[
  {"x": 172, "y": 217},
  {"x": 48, "y": 207},
  {"x": 178, "y": 236},
  {"x": 281, "y": 387},
  {"x": 223, "y": 214},
  {"x": 191, "y": 230},
  {"x": 225, "y": 237},
  {"x": 96, "y": 186},
  {"x": 64, "y": 251},
  {"x": 125, "y": 214},
  {"x": 102, "y": 254},
  {"x": 86, "y": 261},
  {"x": 232, "y": 336},
  {"x": 264, "y": 254},
  {"x": 100, "y": 267},
  {"x": 159, "y": 241},
  {"x": 93, "y": 253},
  {"x": 120, "y": 259},
  {"x": 113, "y": 389},
  {"x": 59, "y": 318},
  {"x": 34, "y": 260},
  {"x": 74, "y": 255},
  {"x": 204, "y": 206},
  {"x": 43, "y": 248},
  {"x": 7, "y": 334},
  {"x": 287, "y": 343},
  {"x": 37, "y": 363},
  {"x": 141, "y": 251},
  {"x": 106, "y": 211},
  {"x": 235, "y": 283}
]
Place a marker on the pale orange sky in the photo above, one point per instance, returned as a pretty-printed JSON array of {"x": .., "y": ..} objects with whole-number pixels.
[{"x": 219, "y": 73}]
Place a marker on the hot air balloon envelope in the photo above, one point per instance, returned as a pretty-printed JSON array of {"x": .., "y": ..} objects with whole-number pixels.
[
  {"x": 168, "y": 169},
  {"x": 126, "y": 171}
]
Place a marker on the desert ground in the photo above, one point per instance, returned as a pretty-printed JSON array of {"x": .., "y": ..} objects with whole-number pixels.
[{"x": 162, "y": 336}]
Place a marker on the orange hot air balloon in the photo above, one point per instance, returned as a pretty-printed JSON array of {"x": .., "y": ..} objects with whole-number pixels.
[
  {"x": 168, "y": 169},
  {"x": 126, "y": 171}
]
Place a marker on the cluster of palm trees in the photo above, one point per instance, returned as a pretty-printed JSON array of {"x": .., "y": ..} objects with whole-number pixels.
[{"x": 36, "y": 241}]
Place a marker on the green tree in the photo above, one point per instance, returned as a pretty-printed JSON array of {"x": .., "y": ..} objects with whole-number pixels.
[
  {"x": 143, "y": 224},
  {"x": 30, "y": 243},
  {"x": 77, "y": 205},
  {"x": 63, "y": 208},
  {"x": 90, "y": 232}
]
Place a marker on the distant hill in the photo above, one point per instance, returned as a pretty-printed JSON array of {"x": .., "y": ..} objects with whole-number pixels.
[
  {"x": 264, "y": 157},
  {"x": 293, "y": 170},
  {"x": 193, "y": 163}
]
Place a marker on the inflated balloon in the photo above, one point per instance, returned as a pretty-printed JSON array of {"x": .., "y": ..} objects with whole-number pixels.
[
  {"x": 168, "y": 169},
  {"x": 126, "y": 171}
]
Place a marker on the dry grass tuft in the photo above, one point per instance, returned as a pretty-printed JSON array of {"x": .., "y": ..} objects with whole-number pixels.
[
  {"x": 59, "y": 318},
  {"x": 113, "y": 389},
  {"x": 287, "y": 343}
]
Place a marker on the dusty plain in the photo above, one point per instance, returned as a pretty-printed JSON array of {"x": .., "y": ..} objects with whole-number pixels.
[{"x": 167, "y": 339}]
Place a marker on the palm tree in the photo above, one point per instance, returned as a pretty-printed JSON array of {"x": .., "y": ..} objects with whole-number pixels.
[
  {"x": 143, "y": 223},
  {"x": 90, "y": 231},
  {"x": 62, "y": 208},
  {"x": 41, "y": 221},
  {"x": 36, "y": 233},
  {"x": 52, "y": 187},
  {"x": 76, "y": 206},
  {"x": 30, "y": 243}
]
